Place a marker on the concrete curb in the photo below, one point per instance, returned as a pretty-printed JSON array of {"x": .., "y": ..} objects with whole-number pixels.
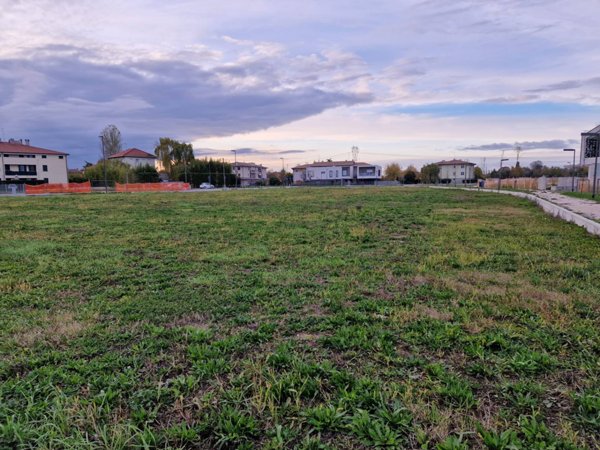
[{"x": 554, "y": 210}]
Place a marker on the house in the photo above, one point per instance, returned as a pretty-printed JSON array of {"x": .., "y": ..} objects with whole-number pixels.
[
  {"x": 250, "y": 174},
  {"x": 336, "y": 172},
  {"x": 590, "y": 148},
  {"x": 456, "y": 171},
  {"x": 21, "y": 162},
  {"x": 134, "y": 157}
]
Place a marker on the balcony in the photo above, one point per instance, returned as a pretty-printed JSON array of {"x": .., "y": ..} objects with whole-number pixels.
[{"x": 22, "y": 173}]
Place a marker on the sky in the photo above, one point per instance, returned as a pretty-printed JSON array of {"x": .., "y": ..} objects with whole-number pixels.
[{"x": 289, "y": 82}]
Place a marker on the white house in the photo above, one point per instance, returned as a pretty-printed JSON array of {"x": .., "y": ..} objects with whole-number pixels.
[
  {"x": 590, "y": 148},
  {"x": 456, "y": 171},
  {"x": 21, "y": 162},
  {"x": 134, "y": 157},
  {"x": 250, "y": 174},
  {"x": 336, "y": 172}
]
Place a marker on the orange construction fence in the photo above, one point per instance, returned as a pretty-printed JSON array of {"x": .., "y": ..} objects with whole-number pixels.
[
  {"x": 59, "y": 188},
  {"x": 152, "y": 187}
]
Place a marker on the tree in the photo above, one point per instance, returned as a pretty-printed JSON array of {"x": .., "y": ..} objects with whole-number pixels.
[
  {"x": 145, "y": 174},
  {"x": 171, "y": 153},
  {"x": 430, "y": 173},
  {"x": 205, "y": 170},
  {"x": 111, "y": 139},
  {"x": 537, "y": 168},
  {"x": 410, "y": 177},
  {"x": 116, "y": 171},
  {"x": 478, "y": 173},
  {"x": 392, "y": 172}
]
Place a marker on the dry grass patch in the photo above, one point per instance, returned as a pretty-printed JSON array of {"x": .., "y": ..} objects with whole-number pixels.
[{"x": 55, "y": 328}]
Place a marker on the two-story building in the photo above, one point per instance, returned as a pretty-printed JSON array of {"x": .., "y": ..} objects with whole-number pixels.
[
  {"x": 456, "y": 171},
  {"x": 250, "y": 174},
  {"x": 21, "y": 162},
  {"x": 336, "y": 172},
  {"x": 134, "y": 157},
  {"x": 590, "y": 149}
]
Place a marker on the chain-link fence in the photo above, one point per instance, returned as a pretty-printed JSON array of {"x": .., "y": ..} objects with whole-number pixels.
[{"x": 12, "y": 188}]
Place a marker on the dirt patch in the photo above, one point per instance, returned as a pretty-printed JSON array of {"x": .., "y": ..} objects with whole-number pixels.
[
  {"x": 195, "y": 320},
  {"x": 55, "y": 328}
]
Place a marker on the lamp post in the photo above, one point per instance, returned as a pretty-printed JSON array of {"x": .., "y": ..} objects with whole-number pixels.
[
  {"x": 235, "y": 168},
  {"x": 224, "y": 173},
  {"x": 500, "y": 172},
  {"x": 104, "y": 163},
  {"x": 572, "y": 168}
]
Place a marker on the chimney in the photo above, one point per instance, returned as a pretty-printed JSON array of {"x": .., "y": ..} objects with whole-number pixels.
[{"x": 27, "y": 142}]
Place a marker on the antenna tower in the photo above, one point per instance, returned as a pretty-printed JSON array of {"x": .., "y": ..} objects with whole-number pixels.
[{"x": 518, "y": 150}]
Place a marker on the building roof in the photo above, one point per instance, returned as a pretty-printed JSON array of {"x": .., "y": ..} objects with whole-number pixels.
[
  {"x": 332, "y": 164},
  {"x": 132, "y": 153},
  {"x": 249, "y": 164},
  {"x": 594, "y": 130},
  {"x": 453, "y": 162},
  {"x": 17, "y": 147}
]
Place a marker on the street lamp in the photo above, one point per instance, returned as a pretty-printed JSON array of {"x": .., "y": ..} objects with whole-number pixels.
[
  {"x": 572, "y": 168},
  {"x": 236, "y": 170},
  {"x": 500, "y": 172}
]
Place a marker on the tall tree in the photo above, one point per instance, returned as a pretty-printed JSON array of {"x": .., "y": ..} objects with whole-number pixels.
[
  {"x": 172, "y": 153},
  {"x": 430, "y": 173},
  {"x": 111, "y": 139},
  {"x": 392, "y": 172}
]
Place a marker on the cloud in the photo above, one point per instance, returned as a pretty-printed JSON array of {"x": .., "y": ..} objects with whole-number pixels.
[
  {"x": 66, "y": 94},
  {"x": 569, "y": 84},
  {"x": 527, "y": 145},
  {"x": 246, "y": 151}
]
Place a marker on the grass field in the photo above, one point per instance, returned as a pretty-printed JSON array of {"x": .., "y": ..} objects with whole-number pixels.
[{"x": 297, "y": 318}]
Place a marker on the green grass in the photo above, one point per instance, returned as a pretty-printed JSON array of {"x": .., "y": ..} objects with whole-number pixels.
[
  {"x": 297, "y": 318},
  {"x": 583, "y": 195}
]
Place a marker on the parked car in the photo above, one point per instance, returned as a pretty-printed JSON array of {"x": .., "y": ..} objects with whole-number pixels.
[{"x": 207, "y": 186}]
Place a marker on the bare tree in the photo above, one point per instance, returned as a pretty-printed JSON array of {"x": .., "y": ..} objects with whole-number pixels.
[{"x": 111, "y": 137}]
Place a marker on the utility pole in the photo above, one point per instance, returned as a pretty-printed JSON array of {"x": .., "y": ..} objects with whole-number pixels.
[
  {"x": 500, "y": 171},
  {"x": 104, "y": 163},
  {"x": 284, "y": 176},
  {"x": 223, "y": 173},
  {"x": 235, "y": 167}
]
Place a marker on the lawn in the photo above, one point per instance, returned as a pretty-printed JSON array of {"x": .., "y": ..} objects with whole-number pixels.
[{"x": 297, "y": 318}]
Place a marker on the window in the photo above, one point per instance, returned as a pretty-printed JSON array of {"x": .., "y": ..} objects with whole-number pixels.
[
  {"x": 44, "y": 168},
  {"x": 462, "y": 173},
  {"x": 323, "y": 174},
  {"x": 43, "y": 156},
  {"x": 21, "y": 156},
  {"x": 337, "y": 173},
  {"x": 331, "y": 174},
  {"x": 60, "y": 157},
  {"x": 345, "y": 171},
  {"x": 462, "y": 166},
  {"x": 45, "y": 180}
]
